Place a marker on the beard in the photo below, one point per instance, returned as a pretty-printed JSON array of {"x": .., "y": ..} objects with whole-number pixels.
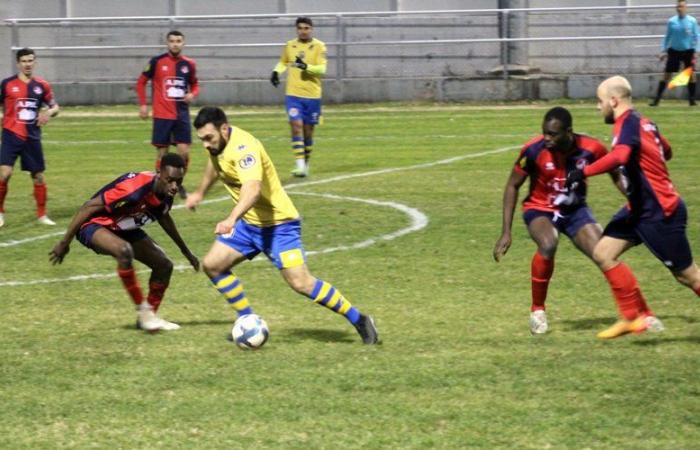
[{"x": 609, "y": 118}]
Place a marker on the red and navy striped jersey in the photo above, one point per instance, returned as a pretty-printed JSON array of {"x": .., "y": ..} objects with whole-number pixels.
[
  {"x": 21, "y": 104},
  {"x": 171, "y": 79},
  {"x": 130, "y": 202},
  {"x": 642, "y": 152},
  {"x": 547, "y": 170}
]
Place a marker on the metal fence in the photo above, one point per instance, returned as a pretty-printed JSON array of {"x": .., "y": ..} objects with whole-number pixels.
[{"x": 390, "y": 45}]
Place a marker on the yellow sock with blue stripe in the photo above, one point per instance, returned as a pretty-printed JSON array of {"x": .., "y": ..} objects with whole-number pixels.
[
  {"x": 327, "y": 295},
  {"x": 308, "y": 148},
  {"x": 298, "y": 147},
  {"x": 232, "y": 288}
]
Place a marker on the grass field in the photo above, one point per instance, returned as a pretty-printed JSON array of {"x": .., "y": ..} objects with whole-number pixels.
[{"x": 458, "y": 367}]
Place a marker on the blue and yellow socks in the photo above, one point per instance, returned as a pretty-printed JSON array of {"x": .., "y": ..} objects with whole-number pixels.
[
  {"x": 330, "y": 297},
  {"x": 232, "y": 288}
]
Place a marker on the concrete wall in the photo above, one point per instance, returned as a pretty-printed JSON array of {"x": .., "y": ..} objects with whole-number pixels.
[{"x": 355, "y": 73}]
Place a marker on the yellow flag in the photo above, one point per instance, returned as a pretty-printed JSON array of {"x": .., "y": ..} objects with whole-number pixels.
[{"x": 681, "y": 79}]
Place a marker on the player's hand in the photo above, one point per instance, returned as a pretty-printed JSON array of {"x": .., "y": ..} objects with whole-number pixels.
[
  {"x": 43, "y": 119},
  {"x": 59, "y": 252},
  {"x": 662, "y": 56},
  {"x": 574, "y": 178},
  {"x": 188, "y": 98},
  {"x": 275, "y": 79},
  {"x": 502, "y": 246},
  {"x": 225, "y": 226},
  {"x": 193, "y": 199},
  {"x": 300, "y": 64},
  {"x": 194, "y": 262},
  {"x": 143, "y": 112}
]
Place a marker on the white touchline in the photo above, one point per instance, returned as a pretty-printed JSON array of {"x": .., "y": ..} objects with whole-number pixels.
[{"x": 418, "y": 219}]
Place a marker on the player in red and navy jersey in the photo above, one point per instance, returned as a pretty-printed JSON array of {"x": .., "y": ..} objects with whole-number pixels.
[
  {"x": 174, "y": 86},
  {"x": 655, "y": 215},
  {"x": 550, "y": 208},
  {"x": 23, "y": 96},
  {"x": 110, "y": 224}
]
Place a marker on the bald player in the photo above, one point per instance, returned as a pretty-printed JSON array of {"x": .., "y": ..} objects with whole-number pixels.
[{"x": 655, "y": 215}]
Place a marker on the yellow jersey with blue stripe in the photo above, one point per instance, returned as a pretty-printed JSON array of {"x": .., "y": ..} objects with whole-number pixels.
[
  {"x": 304, "y": 83},
  {"x": 244, "y": 159}
]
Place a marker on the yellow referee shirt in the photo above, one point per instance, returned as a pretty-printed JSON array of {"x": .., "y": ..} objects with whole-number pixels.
[
  {"x": 244, "y": 159},
  {"x": 303, "y": 83}
]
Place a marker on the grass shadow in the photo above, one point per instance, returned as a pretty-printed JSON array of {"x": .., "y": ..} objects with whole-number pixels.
[
  {"x": 192, "y": 323},
  {"x": 302, "y": 334},
  {"x": 660, "y": 340},
  {"x": 603, "y": 322}
]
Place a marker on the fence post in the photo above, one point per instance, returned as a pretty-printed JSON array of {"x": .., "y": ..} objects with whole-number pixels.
[
  {"x": 340, "y": 48},
  {"x": 505, "y": 50},
  {"x": 14, "y": 41}
]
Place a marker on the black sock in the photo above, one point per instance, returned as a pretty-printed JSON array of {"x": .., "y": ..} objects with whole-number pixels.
[
  {"x": 691, "y": 91},
  {"x": 660, "y": 91}
]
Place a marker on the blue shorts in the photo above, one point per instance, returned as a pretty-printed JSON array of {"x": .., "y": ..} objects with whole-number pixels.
[
  {"x": 85, "y": 235},
  {"x": 665, "y": 238},
  {"x": 29, "y": 152},
  {"x": 281, "y": 243},
  {"x": 168, "y": 132},
  {"x": 307, "y": 110},
  {"x": 568, "y": 224}
]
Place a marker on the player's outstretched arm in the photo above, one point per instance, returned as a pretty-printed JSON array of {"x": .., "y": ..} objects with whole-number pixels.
[
  {"x": 250, "y": 193},
  {"x": 61, "y": 249},
  {"x": 510, "y": 198},
  {"x": 196, "y": 197},
  {"x": 168, "y": 225}
]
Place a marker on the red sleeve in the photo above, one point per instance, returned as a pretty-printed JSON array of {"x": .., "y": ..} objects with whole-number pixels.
[
  {"x": 48, "y": 94},
  {"x": 141, "y": 88},
  {"x": 194, "y": 81},
  {"x": 125, "y": 191},
  {"x": 668, "y": 153},
  {"x": 619, "y": 156}
]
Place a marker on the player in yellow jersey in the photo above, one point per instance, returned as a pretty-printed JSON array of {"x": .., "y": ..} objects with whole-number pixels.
[
  {"x": 305, "y": 57},
  {"x": 263, "y": 219}
]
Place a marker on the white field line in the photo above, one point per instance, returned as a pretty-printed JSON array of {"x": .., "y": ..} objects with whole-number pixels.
[
  {"x": 418, "y": 222},
  {"x": 418, "y": 219}
]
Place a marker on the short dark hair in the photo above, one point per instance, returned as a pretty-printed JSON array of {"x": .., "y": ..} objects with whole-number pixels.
[
  {"x": 172, "y": 160},
  {"x": 561, "y": 114},
  {"x": 306, "y": 20},
  {"x": 24, "y": 52},
  {"x": 174, "y": 33},
  {"x": 210, "y": 114}
]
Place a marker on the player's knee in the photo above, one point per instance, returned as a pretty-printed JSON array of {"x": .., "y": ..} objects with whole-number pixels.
[
  {"x": 211, "y": 267},
  {"x": 602, "y": 259},
  {"x": 125, "y": 254},
  {"x": 38, "y": 178},
  {"x": 547, "y": 249},
  {"x": 165, "y": 268}
]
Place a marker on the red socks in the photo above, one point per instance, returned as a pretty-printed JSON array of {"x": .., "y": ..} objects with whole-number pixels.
[
  {"x": 625, "y": 289},
  {"x": 155, "y": 294},
  {"x": 541, "y": 273},
  {"x": 40, "y": 196},
  {"x": 3, "y": 194},
  {"x": 131, "y": 284}
]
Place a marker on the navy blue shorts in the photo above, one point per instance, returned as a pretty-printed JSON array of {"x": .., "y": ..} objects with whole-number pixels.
[
  {"x": 308, "y": 110},
  {"x": 168, "y": 132},
  {"x": 665, "y": 238},
  {"x": 85, "y": 235},
  {"x": 29, "y": 152},
  {"x": 568, "y": 224}
]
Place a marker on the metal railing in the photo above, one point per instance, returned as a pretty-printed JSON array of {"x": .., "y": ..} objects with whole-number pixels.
[{"x": 340, "y": 23}]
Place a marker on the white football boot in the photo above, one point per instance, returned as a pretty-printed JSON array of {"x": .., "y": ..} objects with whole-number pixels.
[
  {"x": 654, "y": 325},
  {"x": 538, "y": 322},
  {"x": 44, "y": 220},
  {"x": 2, "y": 219}
]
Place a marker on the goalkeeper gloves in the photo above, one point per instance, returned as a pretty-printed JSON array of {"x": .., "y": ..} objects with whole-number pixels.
[
  {"x": 275, "y": 79},
  {"x": 300, "y": 64}
]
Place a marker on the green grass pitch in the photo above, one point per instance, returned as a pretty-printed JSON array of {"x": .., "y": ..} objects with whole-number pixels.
[{"x": 458, "y": 367}]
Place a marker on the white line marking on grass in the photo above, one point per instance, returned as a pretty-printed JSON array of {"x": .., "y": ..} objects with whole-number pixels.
[
  {"x": 418, "y": 222},
  {"x": 13, "y": 242}
]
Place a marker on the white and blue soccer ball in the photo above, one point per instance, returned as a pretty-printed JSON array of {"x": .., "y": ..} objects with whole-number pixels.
[{"x": 250, "y": 332}]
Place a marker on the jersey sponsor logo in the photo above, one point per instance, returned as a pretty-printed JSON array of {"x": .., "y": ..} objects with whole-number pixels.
[
  {"x": 175, "y": 88},
  {"x": 549, "y": 165},
  {"x": 38, "y": 90},
  {"x": 135, "y": 221},
  {"x": 15, "y": 89},
  {"x": 247, "y": 161},
  {"x": 242, "y": 147},
  {"x": 649, "y": 127},
  {"x": 184, "y": 69},
  {"x": 26, "y": 109},
  {"x": 164, "y": 68}
]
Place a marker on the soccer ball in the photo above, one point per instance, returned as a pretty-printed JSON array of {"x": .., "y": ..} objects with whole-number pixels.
[{"x": 250, "y": 332}]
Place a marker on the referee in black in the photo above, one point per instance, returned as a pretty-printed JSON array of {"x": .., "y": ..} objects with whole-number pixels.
[{"x": 679, "y": 46}]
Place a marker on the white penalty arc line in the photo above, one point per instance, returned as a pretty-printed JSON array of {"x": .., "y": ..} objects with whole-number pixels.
[
  {"x": 13, "y": 243},
  {"x": 418, "y": 222}
]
